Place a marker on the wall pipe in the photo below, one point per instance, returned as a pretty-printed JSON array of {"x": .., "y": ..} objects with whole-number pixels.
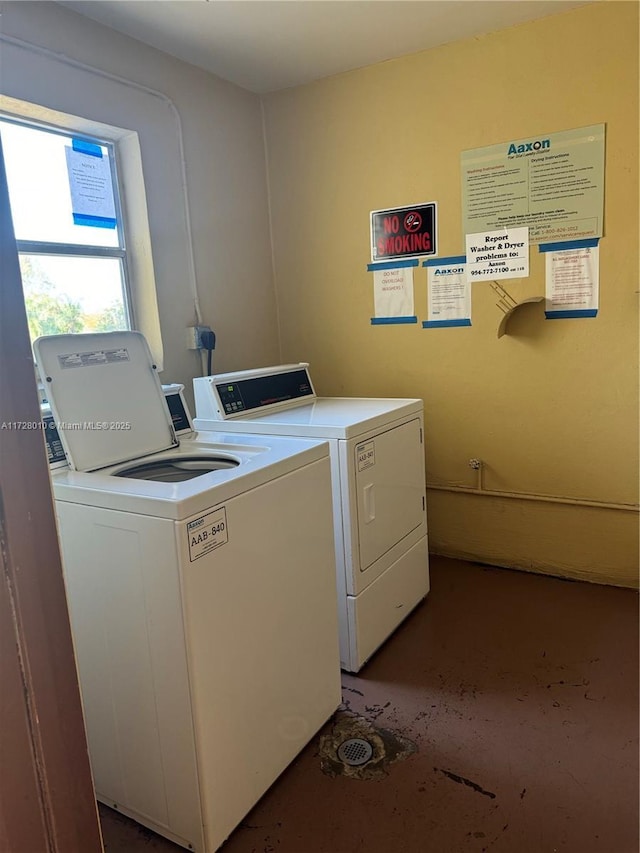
[{"x": 524, "y": 496}]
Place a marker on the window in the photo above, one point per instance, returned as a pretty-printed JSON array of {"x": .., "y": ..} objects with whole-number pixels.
[{"x": 65, "y": 205}]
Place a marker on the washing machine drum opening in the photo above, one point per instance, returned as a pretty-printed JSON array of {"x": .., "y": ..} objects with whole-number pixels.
[{"x": 177, "y": 470}]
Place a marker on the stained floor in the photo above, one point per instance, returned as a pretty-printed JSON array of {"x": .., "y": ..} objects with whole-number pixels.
[{"x": 514, "y": 698}]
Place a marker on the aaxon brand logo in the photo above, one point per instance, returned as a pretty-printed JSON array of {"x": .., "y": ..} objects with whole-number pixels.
[
  {"x": 452, "y": 271},
  {"x": 527, "y": 147}
]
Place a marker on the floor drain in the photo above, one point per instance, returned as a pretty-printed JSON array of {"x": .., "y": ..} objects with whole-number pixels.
[{"x": 355, "y": 751}]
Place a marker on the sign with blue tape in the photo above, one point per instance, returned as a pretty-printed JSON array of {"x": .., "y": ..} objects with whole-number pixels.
[
  {"x": 393, "y": 292},
  {"x": 572, "y": 272},
  {"x": 448, "y": 293},
  {"x": 91, "y": 186}
]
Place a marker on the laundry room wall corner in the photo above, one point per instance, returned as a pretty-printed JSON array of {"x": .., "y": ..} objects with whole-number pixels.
[{"x": 550, "y": 409}]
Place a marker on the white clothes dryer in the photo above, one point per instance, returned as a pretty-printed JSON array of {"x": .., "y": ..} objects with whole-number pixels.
[
  {"x": 379, "y": 491},
  {"x": 200, "y": 580}
]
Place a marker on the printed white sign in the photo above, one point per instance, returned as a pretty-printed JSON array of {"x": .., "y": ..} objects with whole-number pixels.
[
  {"x": 393, "y": 292},
  {"x": 366, "y": 455},
  {"x": 572, "y": 280},
  {"x": 449, "y": 293},
  {"x": 90, "y": 185},
  {"x": 206, "y": 533},
  {"x": 494, "y": 255}
]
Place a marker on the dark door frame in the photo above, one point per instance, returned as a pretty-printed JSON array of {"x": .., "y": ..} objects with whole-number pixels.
[{"x": 47, "y": 801}]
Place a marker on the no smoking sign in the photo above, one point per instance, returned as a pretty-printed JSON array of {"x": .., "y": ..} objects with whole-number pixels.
[{"x": 403, "y": 232}]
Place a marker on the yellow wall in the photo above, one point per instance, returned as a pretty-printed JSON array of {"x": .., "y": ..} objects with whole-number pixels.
[{"x": 552, "y": 407}]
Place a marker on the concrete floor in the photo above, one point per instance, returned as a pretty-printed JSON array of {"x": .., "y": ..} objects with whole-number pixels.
[{"x": 510, "y": 704}]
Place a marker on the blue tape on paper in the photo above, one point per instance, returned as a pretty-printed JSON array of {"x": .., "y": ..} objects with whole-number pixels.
[
  {"x": 94, "y": 221},
  {"x": 440, "y": 262},
  {"x": 392, "y": 321},
  {"x": 440, "y": 324},
  {"x": 85, "y": 147},
  {"x": 567, "y": 315},
  {"x": 393, "y": 265},
  {"x": 591, "y": 243}
]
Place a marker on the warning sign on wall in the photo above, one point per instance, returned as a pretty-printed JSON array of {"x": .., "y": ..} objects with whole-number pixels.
[{"x": 403, "y": 232}]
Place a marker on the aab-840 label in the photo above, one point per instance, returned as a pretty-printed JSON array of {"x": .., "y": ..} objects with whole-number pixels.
[
  {"x": 366, "y": 455},
  {"x": 206, "y": 533}
]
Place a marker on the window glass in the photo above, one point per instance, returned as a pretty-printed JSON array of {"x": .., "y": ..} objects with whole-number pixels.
[
  {"x": 74, "y": 275},
  {"x": 73, "y": 294},
  {"x": 39, "y": 190}
]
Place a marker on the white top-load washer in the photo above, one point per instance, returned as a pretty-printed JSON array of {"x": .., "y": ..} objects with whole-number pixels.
[
  {"x": 379, "y": 492},
  {"x": 176, "y": 404},
  {"x": 200, "y": 582}
]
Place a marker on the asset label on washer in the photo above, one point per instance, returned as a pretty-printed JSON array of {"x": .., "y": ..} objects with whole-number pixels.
[
  {"x": 366, "y": 455},
  {"x": 207, "y": 533},
  {"x": 90, "y": 359}
]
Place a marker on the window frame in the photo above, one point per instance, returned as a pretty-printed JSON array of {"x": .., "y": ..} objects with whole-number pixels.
[
  {"x": 126, "y": 139},
  {"x": 84, "y": 250}
]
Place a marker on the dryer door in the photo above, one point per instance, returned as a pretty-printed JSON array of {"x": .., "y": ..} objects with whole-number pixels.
[{"x": 388, "y": 469}]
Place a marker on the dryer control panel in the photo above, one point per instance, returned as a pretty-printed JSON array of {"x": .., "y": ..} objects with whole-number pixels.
[{"x": 230, "y": 394}]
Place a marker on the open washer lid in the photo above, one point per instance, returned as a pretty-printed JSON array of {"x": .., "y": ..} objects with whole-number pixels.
[{"x": 105, "y": 396}]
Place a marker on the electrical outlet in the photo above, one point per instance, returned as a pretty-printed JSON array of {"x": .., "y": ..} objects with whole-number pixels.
[{"x": 194, "y": 336}]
